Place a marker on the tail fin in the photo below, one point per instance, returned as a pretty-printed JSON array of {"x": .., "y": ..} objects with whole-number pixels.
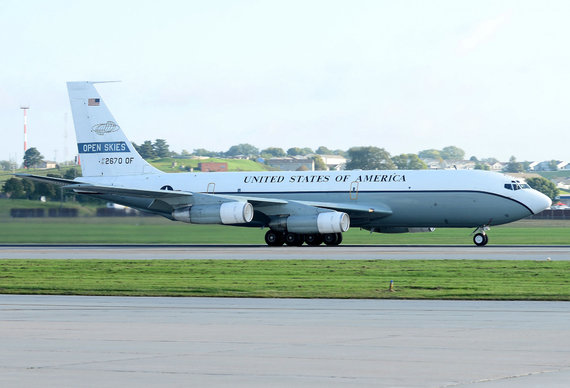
[{"x": 104, "y": 150}]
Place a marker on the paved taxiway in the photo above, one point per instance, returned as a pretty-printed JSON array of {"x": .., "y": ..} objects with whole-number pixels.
[
  {"x": 67, "y": 341},
  {"x": 262, "y": 252}
]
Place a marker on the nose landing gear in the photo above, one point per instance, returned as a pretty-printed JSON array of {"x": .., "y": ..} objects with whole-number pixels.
[{"x": 480, "y": 238}]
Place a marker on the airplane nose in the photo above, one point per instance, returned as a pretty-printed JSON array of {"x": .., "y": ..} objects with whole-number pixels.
[{"x": 538, "y": 202}]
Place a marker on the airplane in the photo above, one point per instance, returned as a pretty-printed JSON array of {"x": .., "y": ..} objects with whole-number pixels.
[{"x": 311, "y": 207}]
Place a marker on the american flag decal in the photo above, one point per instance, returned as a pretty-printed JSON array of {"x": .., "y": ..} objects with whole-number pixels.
[{"x": 93, "y": 102}]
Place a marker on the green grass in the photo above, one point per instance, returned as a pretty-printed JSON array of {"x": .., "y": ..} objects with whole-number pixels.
[
  {"x": 156, "y": 230},
  {"x": 166, "y": 164},
  {"x": 555, "y": 174},
  {"x": 417, "y": 279}
]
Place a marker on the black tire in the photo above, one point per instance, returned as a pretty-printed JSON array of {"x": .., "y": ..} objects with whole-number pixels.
[
  {"x": 330, "y": 239},
  {"x": 480, "y": 239},
  {"x": 294, "y": 239},
  {"x": 314, "y": 239},
  {"x": 274, "y": 239},
  {"x": 338, "y": 238}
]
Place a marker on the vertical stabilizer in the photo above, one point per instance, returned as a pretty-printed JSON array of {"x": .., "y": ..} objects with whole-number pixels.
[{"x": 104, "y": 150}]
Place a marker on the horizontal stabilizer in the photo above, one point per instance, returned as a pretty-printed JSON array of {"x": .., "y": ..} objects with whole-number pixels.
[{"x": 47, "y": 179}]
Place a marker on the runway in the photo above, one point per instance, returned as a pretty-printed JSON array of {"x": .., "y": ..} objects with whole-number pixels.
[
  {"x": 262, "y": 252},
  {"x": 65, "y": 341}
]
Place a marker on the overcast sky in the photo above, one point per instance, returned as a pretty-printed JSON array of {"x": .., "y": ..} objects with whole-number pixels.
[{"x": 491, "y": 77}]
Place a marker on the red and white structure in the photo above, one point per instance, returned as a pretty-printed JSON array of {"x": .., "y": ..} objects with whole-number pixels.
[{"x": 25, "y": 108}]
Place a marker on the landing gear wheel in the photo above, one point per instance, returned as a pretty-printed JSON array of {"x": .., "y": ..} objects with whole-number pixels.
[
  {"x": 313, "y": 239},
  {"x": 338, "y": 238},
  {"x": 480, "y": 239},
  {"x": 332, "y": 239},
  {"x": 274, "y": 239},
  {"x": 294, "y": 239}
]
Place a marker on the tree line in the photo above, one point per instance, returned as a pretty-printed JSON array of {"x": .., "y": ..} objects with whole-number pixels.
[
  {"x": 16, "y": 188},
  {"x": 364, "y": 158}
]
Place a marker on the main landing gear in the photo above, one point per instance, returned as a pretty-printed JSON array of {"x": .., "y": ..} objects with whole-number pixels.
[
  {"x": 274, "y": 239},
  {"x": 480, "y": 238}
]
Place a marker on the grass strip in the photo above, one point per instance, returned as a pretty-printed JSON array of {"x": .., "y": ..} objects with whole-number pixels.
[
  {"x": 413, "y": 279},
  {"x": 159, "y": 231}
]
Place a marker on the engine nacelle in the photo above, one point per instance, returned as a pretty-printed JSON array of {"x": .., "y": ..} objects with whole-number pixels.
[
  {"x": 327, "y": 222},
  {"x": 225, "y": 213}
]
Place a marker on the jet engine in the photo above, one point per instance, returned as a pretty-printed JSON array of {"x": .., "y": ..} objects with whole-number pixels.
[
  {"x": 224, "y": 213},
  {"x": 327, "y": 222}
]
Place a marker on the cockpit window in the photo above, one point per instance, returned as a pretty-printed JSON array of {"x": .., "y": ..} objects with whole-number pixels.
[{"x": 516, "y": 185}]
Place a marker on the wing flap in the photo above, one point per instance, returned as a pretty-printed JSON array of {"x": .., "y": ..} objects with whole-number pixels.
[{"x": 378, "y": 209}]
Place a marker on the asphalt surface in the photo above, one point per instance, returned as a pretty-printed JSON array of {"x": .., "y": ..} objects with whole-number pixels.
[
  {"x": 72, "y": 341},
  {"x": 262, "y": 252}
]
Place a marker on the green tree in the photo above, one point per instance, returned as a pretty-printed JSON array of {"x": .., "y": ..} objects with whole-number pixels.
[
  {"x": 452, "y": 153},
  {"x": 322, "y": 150},
  {"x": 7, "y": 165},
  {"x": 29, "y": 188},
  {"x": 242, "y": 149},
  {"x": 545, "y": 186},
  {"x": 429, "y": 154},
  {"x": 46, "y": 190},
  {"x": 72, "y": 173},
  {"x": 274, "y": 152},
  {"x": 409, "y": 162},
  {"x": 146, "y": 150},
  {"x": 340, "y": 152},
  {"x": 160, "y": 148},
  {"x": 491, "y": 161},
  {"x": 294, "y": 151},
  {"x": 319, "y": 163},
  {"x": 204, "y": 152},
  {"x": 14, "y": 188},
  {"x": 514, "y": 166},
  {"x": 482, "y": 166},
  {"x": 369, "y": 158},
  {"x": 32, "y": 158}
]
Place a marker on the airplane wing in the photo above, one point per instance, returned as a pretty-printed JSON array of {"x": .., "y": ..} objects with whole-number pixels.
[
  {"x": 377, "y": 210},
  {"x": 166, "y": 201}
]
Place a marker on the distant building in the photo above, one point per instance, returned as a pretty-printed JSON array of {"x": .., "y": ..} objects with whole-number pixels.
[
  {"x": 464, "y": 165},
  {"x": 498, "y": 166},
  {"x": 294, "y": 163},
  {"x": 213, "y": 166},
  {"x": 533, "y": 166},
  {"x": 47, "y": 164},
  {"x": 334, "y": 162},
  {"x": 435, "y": 164},
  {"x": 547, "y": 165}
]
